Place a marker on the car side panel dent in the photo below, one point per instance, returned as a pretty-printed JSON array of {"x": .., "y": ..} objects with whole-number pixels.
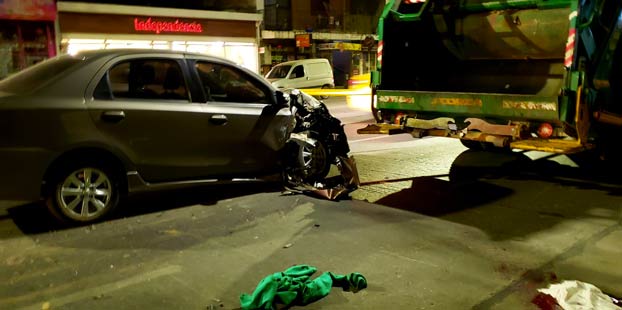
[{"x": 279, "y": 129}]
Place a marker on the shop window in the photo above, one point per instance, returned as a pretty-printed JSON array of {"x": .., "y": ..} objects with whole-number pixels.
[
  {"x": 320, "y": 7},
  {"x": 227, "y": 84},
  {"x": 23, "y": 44},
  {"x": 277, "y": 15},
  {"x": 147, "y": 79}
]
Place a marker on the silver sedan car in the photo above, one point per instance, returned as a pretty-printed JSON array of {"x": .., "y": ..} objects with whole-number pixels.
[{"x": 83, "y": 131}]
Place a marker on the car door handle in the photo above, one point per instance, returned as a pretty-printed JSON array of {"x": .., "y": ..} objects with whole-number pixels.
[
  {"x": 113, "y": 116},
  {"x": 218, "y": 119}
]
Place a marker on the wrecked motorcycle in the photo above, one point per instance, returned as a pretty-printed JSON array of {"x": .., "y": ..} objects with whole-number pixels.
[{"x": 317, "y": 142}]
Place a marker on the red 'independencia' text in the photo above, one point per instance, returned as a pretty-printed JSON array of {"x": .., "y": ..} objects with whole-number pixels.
[{"x": 156, "y": 26}]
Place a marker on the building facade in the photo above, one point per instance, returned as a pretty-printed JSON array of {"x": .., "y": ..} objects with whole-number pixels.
[
  {"x": 27, "y": 34},
  {"x": 342, "y": 31},
  {"x": 229, "y": 30}
]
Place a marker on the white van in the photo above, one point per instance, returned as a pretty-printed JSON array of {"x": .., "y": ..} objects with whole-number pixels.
[{"x": 304, "y": 73}]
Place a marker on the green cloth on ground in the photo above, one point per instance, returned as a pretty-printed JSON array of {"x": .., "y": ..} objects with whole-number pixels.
[{"x": 294, "y": 287}]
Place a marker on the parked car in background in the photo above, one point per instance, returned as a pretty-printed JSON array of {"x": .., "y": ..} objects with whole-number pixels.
[
  {"x": 83, "y": 131},
  {"x": 304, "y": 73}
]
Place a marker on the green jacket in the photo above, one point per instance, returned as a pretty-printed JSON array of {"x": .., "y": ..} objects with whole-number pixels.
[{"x": 294, "y": 287}]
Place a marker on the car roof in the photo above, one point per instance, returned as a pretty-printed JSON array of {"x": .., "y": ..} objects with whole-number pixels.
[
  {"x": 291, "y": 62},
  {"x": 94, "y": 54}
]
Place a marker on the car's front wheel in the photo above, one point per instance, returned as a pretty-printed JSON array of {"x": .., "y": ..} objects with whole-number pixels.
[
  {"x": 307, "y": 163},
  {"x": 83, "y": 193}
]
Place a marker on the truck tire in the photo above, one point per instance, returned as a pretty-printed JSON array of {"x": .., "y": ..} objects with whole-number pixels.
[
  {"x": 472, "y": 145},
  {"x": 374, "y": 111}
]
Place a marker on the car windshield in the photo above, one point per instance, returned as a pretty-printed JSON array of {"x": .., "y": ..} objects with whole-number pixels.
[
  {"x": 37, "y": 75},
  {"x": 279, "y": 72}
]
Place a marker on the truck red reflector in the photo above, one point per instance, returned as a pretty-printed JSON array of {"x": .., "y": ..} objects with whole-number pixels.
[
  {"x": 380, "y": 45},
  {"x": 545, "y": 131}
]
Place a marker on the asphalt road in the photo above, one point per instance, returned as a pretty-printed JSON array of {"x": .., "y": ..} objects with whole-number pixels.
[{"x": 433, "y": 226}]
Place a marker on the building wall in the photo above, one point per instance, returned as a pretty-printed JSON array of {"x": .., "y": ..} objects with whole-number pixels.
[
  {"x": 26, "y": 34},
  {"x": 231, "y": 35},
  {"x": 318, "y": 15},
  {"x": 245, "y": 6},
  {"x": 338, "y": 28}
]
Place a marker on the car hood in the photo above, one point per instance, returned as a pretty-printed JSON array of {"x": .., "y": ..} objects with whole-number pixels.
[{"x": 278, "y": 83}]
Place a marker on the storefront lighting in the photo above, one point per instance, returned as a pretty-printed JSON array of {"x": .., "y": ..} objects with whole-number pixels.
[
  {"x": 217, "y": 44},
  {"x": 86, "y": 41},
  {"x": 75, "y": 48},
  {"x": 239, "y": 44},
  {"x": 203, "y": 49}
]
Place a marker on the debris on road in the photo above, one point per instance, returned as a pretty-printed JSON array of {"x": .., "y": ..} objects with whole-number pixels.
[
  {"x": 294, "y": 287},
  {"x": 317, "y": 142},
  {"x": 576, "y": 295},
  {"x": 333, "y": 188}
]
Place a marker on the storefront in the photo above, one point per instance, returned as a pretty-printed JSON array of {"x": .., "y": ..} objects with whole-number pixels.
[
  {"x": 181, "y": 30},
  {"x": 348, "y": 59},
  {"x": 350, "y": 54},
  {"x": 26, "y": 34}
]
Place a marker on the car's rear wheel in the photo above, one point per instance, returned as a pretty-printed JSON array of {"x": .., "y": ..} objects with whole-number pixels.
[
  {"x": 323, "y": 97},
  {"x": 83, "y": 193}
]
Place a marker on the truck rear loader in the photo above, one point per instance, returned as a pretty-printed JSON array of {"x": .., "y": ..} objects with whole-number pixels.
[{"x": 540, "y": 75}]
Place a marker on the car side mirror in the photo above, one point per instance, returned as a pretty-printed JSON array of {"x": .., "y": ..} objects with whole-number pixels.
[{"x": 282, "y": 100}]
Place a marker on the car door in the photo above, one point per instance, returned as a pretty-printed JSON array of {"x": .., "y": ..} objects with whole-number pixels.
[
  {"x": 143, "y": 108},
  {"x": 246, "y": 127},
  {"x": 298, "y": 77}
]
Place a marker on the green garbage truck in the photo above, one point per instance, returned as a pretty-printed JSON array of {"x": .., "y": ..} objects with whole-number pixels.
[{"x": 540, "y": 75}]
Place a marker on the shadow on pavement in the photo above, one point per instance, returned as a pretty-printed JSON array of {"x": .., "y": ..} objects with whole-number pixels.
[
  {"x": 435, "y": 197},
  {"x": 590, "y": 173},
  {"x": 34, "y": 218},
  {"x": 508, "y": 195},
  {"x": 31, "y": 218},
  {"x": 204, "y": 195}
]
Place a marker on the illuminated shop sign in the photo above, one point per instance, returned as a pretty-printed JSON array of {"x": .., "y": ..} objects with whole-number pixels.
[
  {"x": 159, "y": 26},
  {"x": 28, "y": 10}
]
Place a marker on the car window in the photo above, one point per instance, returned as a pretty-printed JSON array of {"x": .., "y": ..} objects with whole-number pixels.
[
  {"x": 279, "y": 72},
  {"x": 298, "y": 72},
  {"x": 228, "y": 84},
  {"x": 145, "y": 79}
]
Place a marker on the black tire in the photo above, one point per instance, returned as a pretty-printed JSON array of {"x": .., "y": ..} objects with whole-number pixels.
[
  {"x": 374, "y": 111},
  {"x": 472, "y": 145},
  {"x": 314, "y": 162},
  {"x": 83, "y": 193},
  {"x": 484, "y": 146},
  {"x": 323, "y": 97}
]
